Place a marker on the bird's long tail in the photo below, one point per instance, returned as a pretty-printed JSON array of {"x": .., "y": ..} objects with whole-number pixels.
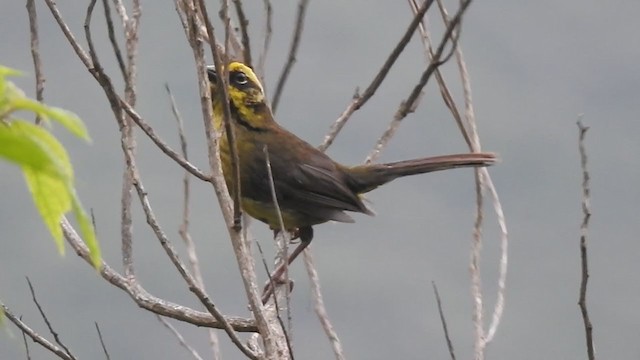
[{"x": 368, "y": 177}]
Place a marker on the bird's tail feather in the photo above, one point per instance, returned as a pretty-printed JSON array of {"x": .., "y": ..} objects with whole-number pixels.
[{"x": 368, "y": 177}]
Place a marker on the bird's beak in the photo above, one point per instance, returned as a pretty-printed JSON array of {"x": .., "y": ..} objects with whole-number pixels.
[{"x": 212, "y": 74}]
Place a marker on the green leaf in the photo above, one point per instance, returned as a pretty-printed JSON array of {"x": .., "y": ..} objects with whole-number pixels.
[
  {"x": 66, "y": 118},
  {"x": 7, "y": 71},
  {"x": 29, "y": 145},
  {"x": 44, "y": 161},
  {"x": 70, "y": 121},
  {"x": 52, "y": 199}
]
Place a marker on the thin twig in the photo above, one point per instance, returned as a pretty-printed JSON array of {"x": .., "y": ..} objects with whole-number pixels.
[
  {"x": 584, "y": 232},
  {"x": 112, "y": 38},
  {"x": 138, "y": 294},
  {"x": 442, "y": 85},
  {"x": 467, "y": 132},
  {"x": 240, "y": 246},
  {"x": 274, "y": 198},
  {"x": 105, "y": 82},
  {"x": 180, "y": 338},
  {"x": 33, "y": 335},
  {"x": 104, "y": 347},
  {"x": 409, "y": 105},
  {"x": 268, "y": 30},
  {"x": 175, "y": 259},
  {"x": 291, "y": 58},
  {"x": 273, "y": 342},
  {"x": 443, "y": 321},
  {"x": 35, "y": 53},
  {"x": 284, "y": 253},
  {"x": 148, "y": 130},
  {"x": 147, "y": 301},
  {"x": 244, "y": 24},
  {"x": 359, "y": 100},
  {"x": 319, "y": 307},
  {"x": 487, "y": 183},
  {"x": 26, "y": 344},
  {"x": 190, "y": 245},
  {"x": 55, "y": 335},
  {"x": 223, "y": 70},
  {"x": 275, "y": 298},
  {"x": 474, "y": 267}
]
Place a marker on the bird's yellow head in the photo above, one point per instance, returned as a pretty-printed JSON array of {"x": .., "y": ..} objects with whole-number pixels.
[{"x": 246, "y": 97}]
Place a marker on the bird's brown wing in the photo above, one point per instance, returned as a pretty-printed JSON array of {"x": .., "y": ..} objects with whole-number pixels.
[{"x": 307, "y": 181}]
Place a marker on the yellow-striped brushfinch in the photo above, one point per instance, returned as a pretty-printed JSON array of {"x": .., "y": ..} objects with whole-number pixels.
[{"x": 310, "y": 187}]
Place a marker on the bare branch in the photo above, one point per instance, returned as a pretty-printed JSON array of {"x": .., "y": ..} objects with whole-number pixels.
[
  {"x": 55, "y": 335},
  {"x": 238, "y": 241},
  {"x": 276, "y": 306},
  {"x": 244, "y": 23},
  {"x": 474, "y": 267},
  {"x": 82, "y": 55},
  {"x": 104, "y": 348},
  {"x": 444, "y": 89},
  {"x": 409, "y": 105},
  {"x": 283, "y": 243},
  {"x": 35, "y": 55},
  {"x": 229, "y": 132},
  {"x": 33, "y": 335},
  {"x": 184, "y": 227},
  {"x": 484, "y": 181},
  {"x": 175, "y": 259},
  {"x": 105, "y": 82},
  {"x": 467, "y": 132},
  {"x": 127, "y": 145},
  {"x": 443, "y": 321},
  {"x": 24, "y": 340},
  {"x": 148, "y": 130},
  {"x": 181, "y": 340},
  {"x": 319, "y": 307},
  {"x": 147, "y": 301},
  {"x": 584, "y": 232},
  {"x": 359, "y": 100},
  {"x": 268, "y": 30},
  {"x": 293, "y": 49},
  {"x": 112, "y": 38}
]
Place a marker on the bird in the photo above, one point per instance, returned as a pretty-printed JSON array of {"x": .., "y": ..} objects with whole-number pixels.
[{"x": 310, "y": 187}]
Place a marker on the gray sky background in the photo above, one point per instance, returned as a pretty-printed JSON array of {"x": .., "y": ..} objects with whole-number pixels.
[{"x": 534, "y": 67}]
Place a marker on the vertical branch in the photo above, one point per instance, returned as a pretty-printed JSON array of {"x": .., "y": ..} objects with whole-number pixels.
[
  {"x": 584, "y": 230},
  {"x": 223, "y": 70},
  {"x": 127, "y": 136},
  {"x": 483, "y": 180},
  {"x": 443, "y": 321},
  {"x": 293, "y": 49},
  {"x": 268, "y": 30},
  {"x": 244, "y": 23},
  {"x": 319, "y": 307},
  {"x": 35, "y": 53},
  {"x": 283, "y": 253},
  {"x": 184, "y": 227},
  {"x": 273, "y": 344}
]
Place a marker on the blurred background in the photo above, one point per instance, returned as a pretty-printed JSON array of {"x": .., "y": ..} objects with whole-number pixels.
[{"x": 534, "y": 67}]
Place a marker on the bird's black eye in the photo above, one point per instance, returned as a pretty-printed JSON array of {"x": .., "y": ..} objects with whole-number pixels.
[{"x": 240, "y": 78}]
